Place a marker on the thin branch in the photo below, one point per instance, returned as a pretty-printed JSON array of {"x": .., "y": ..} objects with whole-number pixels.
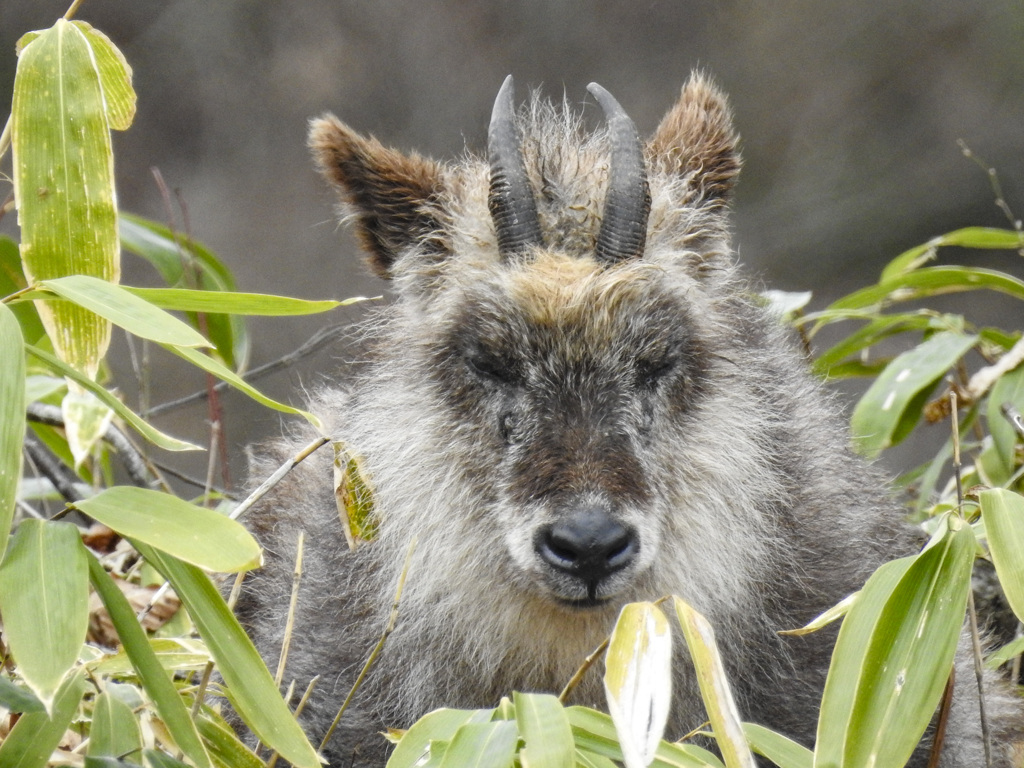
[
  {"x": 319, "y": 339},
  {"x": 69, "y": 14},
  {"x": 940, "y": 726},
  {"x": 972, "y": 614},
  {"x": 57, "y": 472},
  {"x": 377, "y": 648},
  {"x": 289, "y": 626},
  {"x": 997, "y": 191},
  {"x": 275, "y": 478},
  {"x": 584, "y": 667}
]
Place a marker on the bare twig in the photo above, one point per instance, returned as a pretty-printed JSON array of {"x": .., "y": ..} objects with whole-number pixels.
[
  {"x": 1013, "y": 416},
  {"x": 320, "y": 339},
  {"x": 940, "y": 726},
  {"x": 982, "y": 381},
  {"x": 290, "y": 622},
  {"x": 275, "y": 478},
  {"x": 57, "y": 472},
  {"x": 584, "y": 667},
  {"x": 997, "y": 191},
  {"x": 377, "y": 648},
  {"x": 70, "y": 13},
  {"x": 972, "y": 614}
]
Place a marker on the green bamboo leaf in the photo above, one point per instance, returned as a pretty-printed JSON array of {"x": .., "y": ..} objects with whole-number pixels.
[
  {"x": 482, "y": 745},
  {"x": 638, "y": 680},
  {"x": 64, "y": 184},
  {"x": 931, "y": 281},
  {"x": 586, "y": 759},
  {"x": 33, "y": 739},
  {"x": 115, "y": 77},
  {"x": 154, "y": 759},
  {"x": 44, "y": 599},
  {"x": 12, "y": 417},
  {"x": 233, "y": 303},
  {"x": 186, "y": 263},
  {"x": 595, "y": 732},
  {"x": 115, "y": 731},
  {"x": 155, "y": 681},
  {"x": 906, "y": 625},
  {"x": 196, "y": 535},
  {"x": 225, "y": 747},
  {"x": 18, "y": 699},
  {"x": 414, "y": 748},
  {"x": 1003, "y": 514},
  {"x": 892, "y": 405},
  {"x": 123, "y": 308},
  {"x": 139, "y": 424},
  {"x": 785, "y": 753},
  {"x": 872, "y": 333},
  {"x": 969, "y": 237},
  {"x": 175, "y": 654},
  {"x": 12, "y": 279},
  {"x": 253, "y": 691},
  {"x": 546, "y": 731},
  {"x": 1008, "y": 389},
  {"x": 210, "y": 365},
  {"x": 714, "y": 686},
  {"x": 847, "y": 667}
]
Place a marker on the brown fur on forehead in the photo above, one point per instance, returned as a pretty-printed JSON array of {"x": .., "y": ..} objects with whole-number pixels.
[{"x": 554, "y": 289}]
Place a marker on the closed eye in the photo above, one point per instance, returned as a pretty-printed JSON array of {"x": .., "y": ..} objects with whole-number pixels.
[
  {"x": 650, "y": 372},
  {"x": 492, "y": 367}
]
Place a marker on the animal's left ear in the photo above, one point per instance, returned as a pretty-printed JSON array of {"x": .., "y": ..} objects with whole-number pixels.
[
  {"x": 394, "y": 197},
  {"x": 697, "y": 138}
]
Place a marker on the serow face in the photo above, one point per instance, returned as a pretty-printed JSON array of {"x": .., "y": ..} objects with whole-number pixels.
[{"x": 569, "y": 376}]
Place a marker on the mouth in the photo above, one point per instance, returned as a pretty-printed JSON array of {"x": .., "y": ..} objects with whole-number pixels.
[{"x": 584, "y": 603}]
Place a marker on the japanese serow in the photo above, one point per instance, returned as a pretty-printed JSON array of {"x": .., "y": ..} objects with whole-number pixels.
[{"x": 574, "y": 401}]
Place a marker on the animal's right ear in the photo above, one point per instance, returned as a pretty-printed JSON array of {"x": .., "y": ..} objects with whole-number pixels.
[{"x": 394, "y": 197}]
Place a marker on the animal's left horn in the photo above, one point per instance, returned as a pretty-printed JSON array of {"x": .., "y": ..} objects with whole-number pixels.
[
  {"x": 510, "y": 199},
  {"x": 624, "y": 224}
]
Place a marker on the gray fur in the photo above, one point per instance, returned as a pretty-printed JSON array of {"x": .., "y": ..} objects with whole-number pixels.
[{"x": 500, "y": 394}]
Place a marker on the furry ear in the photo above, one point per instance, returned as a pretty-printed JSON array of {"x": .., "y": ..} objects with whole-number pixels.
[
  {"x": 394, "y": 196},
  {"x": 697, "y": 138}
]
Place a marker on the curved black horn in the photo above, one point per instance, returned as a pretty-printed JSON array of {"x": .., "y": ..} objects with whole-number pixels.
[
  {"x": 510, "y": 200},
  {"x": 624, "y": 224}
]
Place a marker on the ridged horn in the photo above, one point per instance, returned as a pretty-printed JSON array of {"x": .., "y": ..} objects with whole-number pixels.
[
  {"x": 624, "y": 224},
  {"x": 510, "y": 199}
]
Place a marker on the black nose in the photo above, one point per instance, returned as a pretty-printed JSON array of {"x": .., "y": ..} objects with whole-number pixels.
[{"x": 587, "y": 544}]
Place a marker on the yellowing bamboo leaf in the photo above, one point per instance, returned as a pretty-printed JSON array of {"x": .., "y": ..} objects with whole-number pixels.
[
  {"x": 196, "y": 535},
  {"x": 714, "y": 687},
  {"x": 85, "y": 420},
  {"x": 638, "y": 680},
  {"x": 546, "y": 732},
  {"x": 12, "y": 416},
  {"x": 354, "y": 496},
  {"x": 1003, "y": 514},
  {"x": 44, "y": 599},
  {"x": 115, "y": 77},
  {"x": 63, "y": 182},
  {"x": 413, "y": 748},
  {"x": 836, "y": 612}
]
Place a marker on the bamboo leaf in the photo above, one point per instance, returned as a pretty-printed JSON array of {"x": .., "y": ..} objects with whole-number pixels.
[
  {"x": 482, "y": 745},
  {"x": 12, "y": 279},
  {"x": 638, "y": 680},
  {"x": 225, "y": 746},
  {"x": 85, "y": 420},
  {"x": 545, "y": 729},
  {"x": 931, "y": 281},
  {"x": 18, "y": 699},
  {"x": 784, "y": 752},
  {"x": 234, "y": 303},
  {"x": 155, "y": 681},
  {"x": 892, "y": 405},
  {"x": 64, "y": 184},
  {"x": 1003, "y": 514},
  {"x": 905, "y": 625},
  {"x": 115, "y": 77},
  {"x": 12, "y": 417},
  {"x": 218, "y": 369},
  {"x": 33, "y": 739},
  {"x": 140, "y": 425},
  {"x": 1008, "y": 389},
  {"x": 125, "y": 309},
  {"x": 414, "y": 748},
  {"x": 969, "y": 237},
  {"x": 196, "y": 535},
  {"x": 253, "y": 691},
  {"x": 44, "y": 598},
  {"x": 595, "y": 732},
  {"x": 186, "y": 263},
  {"x": 115, "y": 732},
  {"x": 714, "y": 687}
]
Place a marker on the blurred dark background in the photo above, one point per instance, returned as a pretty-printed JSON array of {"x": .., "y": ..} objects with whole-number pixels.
[{"x": 850, "y": 115}]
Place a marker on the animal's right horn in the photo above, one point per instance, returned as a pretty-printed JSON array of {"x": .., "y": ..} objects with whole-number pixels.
[{"x": 510, "y": 200}]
